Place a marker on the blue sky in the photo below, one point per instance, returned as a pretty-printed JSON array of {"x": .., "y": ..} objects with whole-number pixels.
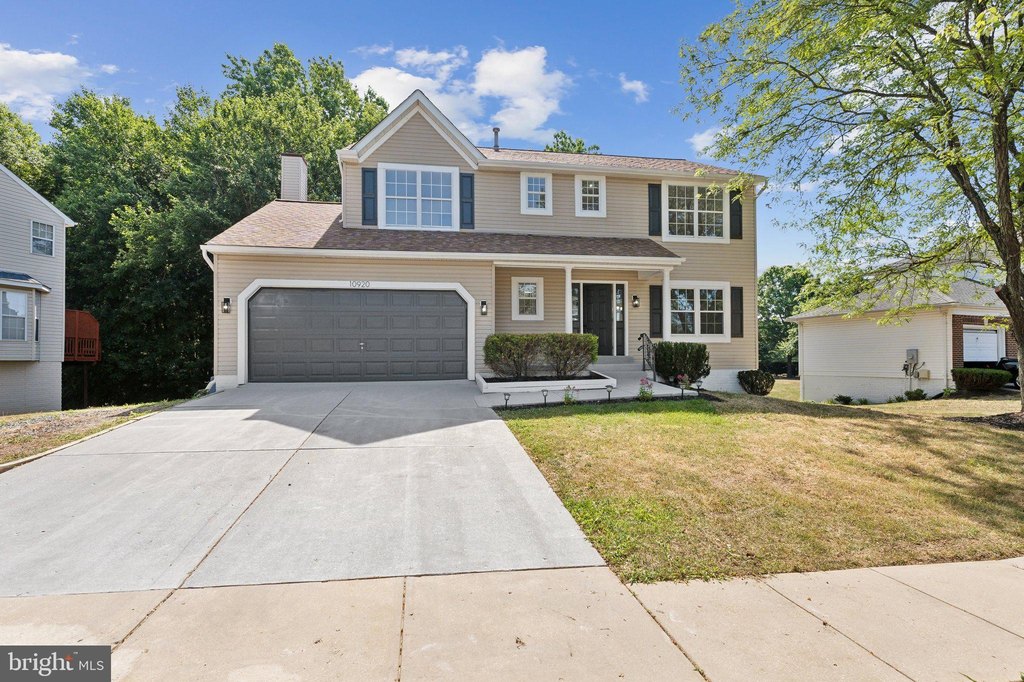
[{"x": 607, "y": 73}]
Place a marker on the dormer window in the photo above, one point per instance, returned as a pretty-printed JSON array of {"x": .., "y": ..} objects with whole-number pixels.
[
  {"x": 590, "y": 196},
  {"x": 535, "y": 193},
  {"x": 424, "y": 197},
  {"x": 42, "y": 239}
]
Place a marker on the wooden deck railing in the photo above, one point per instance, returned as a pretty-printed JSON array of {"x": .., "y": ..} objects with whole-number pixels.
[{"x": 81, "y": 337}]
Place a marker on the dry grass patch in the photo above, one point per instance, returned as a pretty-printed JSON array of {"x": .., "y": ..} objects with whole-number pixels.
[
  {"x": 22, "y": 435},
  {"x": 750, "y": 486}
]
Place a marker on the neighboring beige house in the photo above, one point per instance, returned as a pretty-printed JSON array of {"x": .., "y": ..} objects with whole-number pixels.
[
  {"x": 859, "y": 357},
  {"x": 32, "y": 242},
  {"x": 438, "y": 243}
]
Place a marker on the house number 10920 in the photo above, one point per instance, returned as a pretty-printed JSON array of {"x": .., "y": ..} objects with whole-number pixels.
[{"x": 359, "y": 283}]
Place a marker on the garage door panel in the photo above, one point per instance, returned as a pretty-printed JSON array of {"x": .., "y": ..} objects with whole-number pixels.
[
  {"x": 351, "y": 335},
  {"x": 981, "y": 345}
]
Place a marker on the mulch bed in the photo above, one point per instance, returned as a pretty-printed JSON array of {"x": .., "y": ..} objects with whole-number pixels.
[{"x": 1008, "y": 420}]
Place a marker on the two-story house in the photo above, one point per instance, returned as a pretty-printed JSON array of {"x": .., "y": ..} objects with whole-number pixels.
[
  {"x": 32, "y": 234},
  {"x": 438, "y": 243}
]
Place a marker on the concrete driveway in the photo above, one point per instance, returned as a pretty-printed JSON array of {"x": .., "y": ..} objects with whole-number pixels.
[{"x": 278, "y": 483}]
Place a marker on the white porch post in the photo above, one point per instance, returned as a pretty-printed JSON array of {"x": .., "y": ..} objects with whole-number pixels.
[
  {"x": 666, "y": 307},
  {"x": 568, "y": 299}
]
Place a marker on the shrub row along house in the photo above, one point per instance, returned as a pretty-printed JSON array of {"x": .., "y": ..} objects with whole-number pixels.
[
  {"x": 858, "y": 357},
  {"x": 439, "y": 243}
]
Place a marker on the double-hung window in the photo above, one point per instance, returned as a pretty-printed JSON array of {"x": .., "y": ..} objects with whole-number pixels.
[
  {"x": 13, "y": 316},
  {"x": 535, "y": 193},
  {"x": 527, "y": 298},
  {"x": 42, "y": 238},
  {"x": 591, "y": 196},
  {"x": 698, "y": 309},
  {"x": 693, "y": 212},
  {"x": 418, "y": 196}
]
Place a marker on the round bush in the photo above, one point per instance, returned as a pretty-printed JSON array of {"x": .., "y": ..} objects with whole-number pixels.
[
  {"x": 756, "y": 381},
  {"x": 974, "y": 379}
]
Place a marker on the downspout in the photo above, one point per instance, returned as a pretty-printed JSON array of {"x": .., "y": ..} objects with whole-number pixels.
[{"x": 208, "y": 257}]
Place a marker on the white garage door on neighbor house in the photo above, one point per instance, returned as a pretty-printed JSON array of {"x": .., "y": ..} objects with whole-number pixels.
[{"x": 981, "y": 345}]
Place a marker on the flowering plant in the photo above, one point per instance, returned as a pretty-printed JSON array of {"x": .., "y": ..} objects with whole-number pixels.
[
  {"x": 569, "y": 395},
  {"x": 683, "y": 380},
  {"x": 646, "y": 390}
]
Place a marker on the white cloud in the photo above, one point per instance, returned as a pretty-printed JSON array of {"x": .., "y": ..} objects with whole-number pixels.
[
  {"x": 637, "y": 88},
  {"x": 702, "y": 139},
  {"x": 31, "y": 81},
  {"x": 519, "y": 82},
  {"x": 73, "y": 38},
  {"x": 372, "y": 50}
]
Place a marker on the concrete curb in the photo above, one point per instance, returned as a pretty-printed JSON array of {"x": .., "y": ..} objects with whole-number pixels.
[{"x": 7, "y": 466}]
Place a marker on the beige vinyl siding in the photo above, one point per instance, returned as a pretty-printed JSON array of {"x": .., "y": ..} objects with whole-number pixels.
[
  {"x": 860, "y": 358},
  {"x": 29, "y": 387},
  {"x": 554, "y": 301},
  {"x": 235, "y": 273}
]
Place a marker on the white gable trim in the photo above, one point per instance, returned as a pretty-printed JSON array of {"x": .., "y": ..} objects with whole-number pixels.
[
  {"x": 417, "y": 102},
  {"x": 68, "y": 222}
]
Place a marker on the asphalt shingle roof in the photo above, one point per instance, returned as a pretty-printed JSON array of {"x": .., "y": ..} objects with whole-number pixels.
[
  {"x": 315, "y": 225},
  {"x": 609, "y": 161},
  {"x": 962, "y": 292}
]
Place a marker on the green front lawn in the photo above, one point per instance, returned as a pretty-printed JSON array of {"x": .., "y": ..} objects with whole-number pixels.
[{"x": 750, "y": 486}]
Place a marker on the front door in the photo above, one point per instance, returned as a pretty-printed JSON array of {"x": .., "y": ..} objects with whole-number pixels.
[{"x": 597, "y": 315}]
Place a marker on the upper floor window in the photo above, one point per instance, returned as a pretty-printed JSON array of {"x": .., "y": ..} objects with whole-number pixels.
[
  {"x": 42, "y": 238},
  {"x": 535, "y": 193},
  {"x": 699, "y": 309},
  {"x": 693, "y": 212},
  {"x": 13, "y": 316},
  {"x": 527, "y": 298},
  {"x": 590, "y": 196},
  {"x": 418, "y": 196}
]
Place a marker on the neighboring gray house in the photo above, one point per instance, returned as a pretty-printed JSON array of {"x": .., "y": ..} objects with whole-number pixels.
[{"x": 32, "y": 233}]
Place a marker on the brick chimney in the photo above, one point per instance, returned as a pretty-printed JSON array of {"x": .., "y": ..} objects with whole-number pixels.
[{"x": 293, "y": 177}]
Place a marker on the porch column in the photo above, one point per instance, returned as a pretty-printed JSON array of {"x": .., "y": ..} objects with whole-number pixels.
[
  {"x": 666, "y": 307},
  {"x": 568, "y": 299}
]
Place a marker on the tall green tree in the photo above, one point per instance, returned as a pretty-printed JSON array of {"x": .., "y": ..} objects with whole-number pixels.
[
  {"x": 780, "y": 291},
  {"x": 907, "y": 116},
  {"x": 566, "y": 143},
  {"x": 21, "y": 149},
  {"x": 148, "y": 195}
]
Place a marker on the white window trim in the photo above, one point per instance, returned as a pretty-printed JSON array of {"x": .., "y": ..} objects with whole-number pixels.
[
  {"x": 516, "y": 315},
  {"x": 523, "y": 205},
  {"x": 580, "y": 213},
  {"x": 382, "y": 214},
  {"x": 32, "y": 238},
  {"x": 27, "y": 318},
  {"x": 666, "y": 237},
  {"x": 697, "y": 337}
]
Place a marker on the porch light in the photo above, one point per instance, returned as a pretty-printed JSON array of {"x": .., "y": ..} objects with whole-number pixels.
[
  {"x": 636, "y": 301},
  {"x": 483, "y": 307},
  {"x": 225, "y": 305}
]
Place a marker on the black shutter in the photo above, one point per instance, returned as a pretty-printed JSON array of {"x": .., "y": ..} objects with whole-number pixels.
[
  {"x": 654, "y": 210},
  {"x": 737, "y": 313},
  {"x": 735, "y": 215},
  {"x": 466, "y": 220},
  {"x": 654, "y": 292},
  {"x": 369, "y": 196}
]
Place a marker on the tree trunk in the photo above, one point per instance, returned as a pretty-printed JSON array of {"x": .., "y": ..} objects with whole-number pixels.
[{"x": 1015, "y": 305}]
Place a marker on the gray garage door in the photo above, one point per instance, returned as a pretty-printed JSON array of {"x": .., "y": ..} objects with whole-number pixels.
[{"x": 356, "y": 335}]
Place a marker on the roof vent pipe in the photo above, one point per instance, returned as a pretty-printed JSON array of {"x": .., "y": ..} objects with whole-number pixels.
[{"x": 496, "y": 145}]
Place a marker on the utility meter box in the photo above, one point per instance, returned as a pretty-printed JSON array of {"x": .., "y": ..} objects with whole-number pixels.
[{"x": 912, "y": 356}]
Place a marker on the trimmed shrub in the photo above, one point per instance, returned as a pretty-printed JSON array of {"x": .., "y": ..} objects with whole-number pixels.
[
  {"x": 512, "y": 355},
  {"x": 972, "y": 379},
  {"x": 756, "y": 382},
  {"x": 672, "y": 358},
  {"x": 568, "y": 354},
  {"x": 843, "y": 399},
  {"x": 916, "y": 394}
]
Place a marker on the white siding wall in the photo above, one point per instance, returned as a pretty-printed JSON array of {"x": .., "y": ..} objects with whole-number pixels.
[
  {"x": 29, "y": 386},
  {"x": 860, "y": 358}
]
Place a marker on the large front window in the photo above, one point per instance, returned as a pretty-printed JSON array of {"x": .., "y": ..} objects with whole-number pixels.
[
  {"x": 694, "y": 212},
  {"x": 698, "y": 310},
  {"x": 13, "y": 316},
  {"x": 419, "y": 196}
]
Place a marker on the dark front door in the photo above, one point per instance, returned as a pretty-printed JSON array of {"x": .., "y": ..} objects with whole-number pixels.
[
  {"x": 356, "y": 335},
  {"x": 597, "y": 315}
]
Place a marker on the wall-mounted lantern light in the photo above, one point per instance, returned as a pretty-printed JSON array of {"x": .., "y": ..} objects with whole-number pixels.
[
  {"x": 483, "y": 307},
  {"x": 636, "y": 301},
  {"x": 225, "y": 305}
]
